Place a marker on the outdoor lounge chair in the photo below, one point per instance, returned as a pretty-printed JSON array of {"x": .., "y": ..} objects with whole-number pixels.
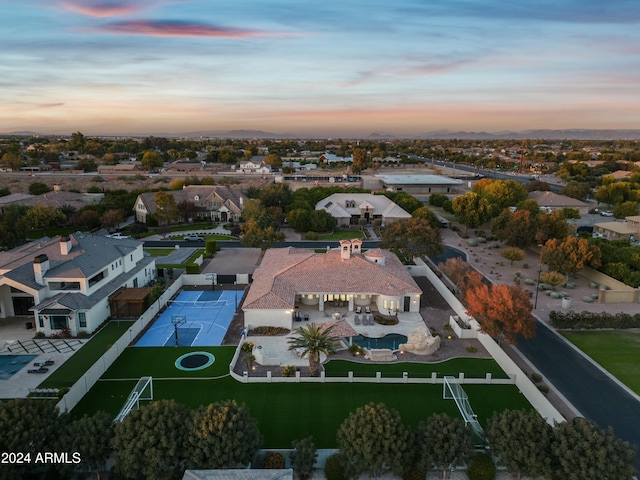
[
  {"x": 358, "y": 309},
  {"x": 306, "y": 317},
  {"x": 364, "y": 320},
  {"x": 356, "y": 319},
  {"x": 38, "y": 370},
  {"x": 367, "y": 309}
]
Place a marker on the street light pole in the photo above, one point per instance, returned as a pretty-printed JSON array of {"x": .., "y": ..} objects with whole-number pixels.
[{"x": 535, "y": 304}]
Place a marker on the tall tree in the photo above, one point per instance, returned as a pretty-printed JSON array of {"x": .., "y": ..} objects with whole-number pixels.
[
  {"x": 151, "y": 161},
  {"x": 500, "y": 194},
  {"x": 461, "y": 274},
  {"x": 38, "y": 188},
  {"x": 255, "y": 236},
  {"x": 153, "y": 442},
  {"x": 312, "y": 340},
  {"x": 522, "y": 439},
  {"x": 303, "y": 456},
  {"x": 359, "y": 162},
  {"x": 373, "y": 440},
  {"x": 112, "y": 218},
  {"x": 443, "y": 442},
  {"x": 166, "y": 208},
  {"x": 13, "y": 227},
  {"x": 584, "y": 450},
  {"x": 501, "y": 310},
  {"x": 570, "y": 255},
  {"x": 471, "y": 209},
  {"x": 225, "y": 435},
  {"x": 414, "y": 237},
  {"x": 29, "y": 427},
  {"x": 41, "y": 217},
  {"x": 551, "y": 225},
  {"x": 91, "y": 436},
  {"x": 513, "y": 254},
  {"x": 514, "y": 228}
]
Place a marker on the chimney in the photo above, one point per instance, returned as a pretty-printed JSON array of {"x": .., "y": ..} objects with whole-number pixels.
[
  {"x": 241, "y": 201},
  {"x": 345, "y": 249},
  {"x": 65, "y": 244},
  {"x": 40, "y": 267},
  {"x": 56, "y": 188},
  {"x": 356, "y": 244}
]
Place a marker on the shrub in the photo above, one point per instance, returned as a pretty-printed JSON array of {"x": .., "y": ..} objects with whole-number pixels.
[
  {"x": 355, "y": 349},
  {"x": 271, "y": 331},
  {"x": 39, "y": 335},
  {"x": 590, "y": 320},
  {"x": 471, "y": 349},
  {"x": 437, "y": 199},
  {"x": 289, "y": 371},
  {"x": 334, "y": 468},
  {"x": 481, "y": 467},
  {"x": 385, "y": 319},
  {"x": 273, "y": 461},
  {"x": 536, "y": 377},
  {"x": 82, "y": 334},
  {"x": 311, "y": 236},
  {"x": 247, "y": 347},
  {"x": 543, "y": 387},
  {"x": 192, "y": 268},
  {"x": 525, "y": 265}
]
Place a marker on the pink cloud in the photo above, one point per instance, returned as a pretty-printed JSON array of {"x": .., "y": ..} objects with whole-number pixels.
[
  {"x": 158, "y": 28},
  {"x": 101, "y": 9}
]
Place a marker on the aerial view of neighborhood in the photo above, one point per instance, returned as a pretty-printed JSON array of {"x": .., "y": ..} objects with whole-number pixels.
[{"x": 278, "y": 240}]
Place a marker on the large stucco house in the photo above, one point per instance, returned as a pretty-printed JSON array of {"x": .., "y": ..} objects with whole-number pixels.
[
  {"x": 290, "y": 277},
  {"x": 219, "y": 203},
  {"x": 65, "y": 282},
  {"x": 349, "y": 208}
]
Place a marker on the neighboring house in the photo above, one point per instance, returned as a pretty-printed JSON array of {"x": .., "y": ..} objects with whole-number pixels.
[
  {"x": 216, "y": 202},
  {"x": 349, "y": 208},
  {"x": 413, "y": 183},
  {"x": 254, "y": 166},
  {"x": 552, "y": 201},
  {"x": 185, "y": 165},
  {"x": 291, "y": 276},
  {"x": 332, "y": 158},
  {"x": 65, "y": 282},
  {"x": 619, "y": 175},
  {"x": 629, "y": 229},
  {"x": 119, "y": 169}
]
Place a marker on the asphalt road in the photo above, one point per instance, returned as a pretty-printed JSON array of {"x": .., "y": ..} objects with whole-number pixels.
[{"x": 593, "y": 393}]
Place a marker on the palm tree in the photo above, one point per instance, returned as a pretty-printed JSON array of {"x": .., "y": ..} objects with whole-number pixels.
[{"x": 313, "y": 340}]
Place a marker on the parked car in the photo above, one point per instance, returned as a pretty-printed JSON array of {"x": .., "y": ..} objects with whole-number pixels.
[
  {"x": 193, "y": 238},
  {"x": 118, "y": 236},
  {"x": 606, "y": 213}
]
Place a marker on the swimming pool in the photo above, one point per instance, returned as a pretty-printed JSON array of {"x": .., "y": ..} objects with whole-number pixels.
[
  {"x": 201, "y": 318},
  {"x": 390, "y": 341},
  {"x": 12, "y": 364}
]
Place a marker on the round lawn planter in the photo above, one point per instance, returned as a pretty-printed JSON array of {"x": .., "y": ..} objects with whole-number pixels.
[{"x": 193, "y": 361}]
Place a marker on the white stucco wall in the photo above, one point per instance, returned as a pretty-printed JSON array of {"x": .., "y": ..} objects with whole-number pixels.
[{"x": 267, "y": 318}]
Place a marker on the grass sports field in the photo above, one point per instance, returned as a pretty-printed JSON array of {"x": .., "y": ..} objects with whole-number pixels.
[
  {"x": 285, "y": 411},
  {"x": 617, "y": 352}
]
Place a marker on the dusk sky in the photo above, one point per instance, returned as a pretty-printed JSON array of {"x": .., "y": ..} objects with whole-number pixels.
[{"x": 330, "y": 68}]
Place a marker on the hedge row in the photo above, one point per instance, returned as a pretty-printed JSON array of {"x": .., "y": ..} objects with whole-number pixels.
[{"x": 590, "y": 320}]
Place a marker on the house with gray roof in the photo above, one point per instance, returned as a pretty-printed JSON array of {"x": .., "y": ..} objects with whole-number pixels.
[
  {"x": 65, "y": 282},
  {"x": 349, "y": 208},
  {"x": 290, "y": 277},
  {"x": 219, "y": 203}
]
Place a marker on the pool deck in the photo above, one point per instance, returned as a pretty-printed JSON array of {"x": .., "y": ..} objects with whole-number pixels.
[
  {"x": 278, "y": 346},
  {"x": 13, "y": 334}
]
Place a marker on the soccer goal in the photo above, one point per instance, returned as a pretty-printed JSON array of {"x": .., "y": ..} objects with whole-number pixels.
[
  {"x": 451, "y": 389},
  {"x": 145, "y": 384}
]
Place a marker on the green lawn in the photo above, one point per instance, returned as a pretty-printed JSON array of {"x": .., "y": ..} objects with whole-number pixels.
[
  {"x": 618, "y": 353},
  {"x": 284, "y": 411},
  {"x": 70, "y": 371},
  {"x": 341, "y": 235}
]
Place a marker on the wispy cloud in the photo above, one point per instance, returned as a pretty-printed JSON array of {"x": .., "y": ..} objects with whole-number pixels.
[
  {"x": 172, "y": 28},
  {"x": 102, "y": 9}
]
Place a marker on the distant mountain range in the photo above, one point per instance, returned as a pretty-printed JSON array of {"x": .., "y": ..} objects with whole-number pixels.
[{"x": 564, "y": 134}]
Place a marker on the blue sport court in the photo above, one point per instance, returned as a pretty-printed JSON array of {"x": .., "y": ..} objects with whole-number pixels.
[{"x": 201, "y": 319}]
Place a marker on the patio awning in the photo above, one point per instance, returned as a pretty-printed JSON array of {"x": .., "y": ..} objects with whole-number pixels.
[
  {"x": 55, "y": 311},
  {"x": 341, "y": 328}
]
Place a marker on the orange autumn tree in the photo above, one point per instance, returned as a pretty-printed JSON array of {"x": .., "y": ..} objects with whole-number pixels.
[
  {"x": 461, "y": 274},
  {"x": 501, "y": 310}
]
